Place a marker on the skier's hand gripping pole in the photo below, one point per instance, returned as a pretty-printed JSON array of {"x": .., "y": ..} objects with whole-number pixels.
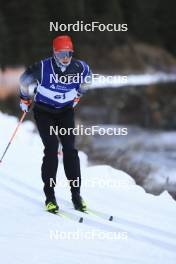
[{"x": 13, "y": 135}]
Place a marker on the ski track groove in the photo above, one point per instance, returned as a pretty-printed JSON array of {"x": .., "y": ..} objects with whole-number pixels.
[{"x": 91, "y": 222}]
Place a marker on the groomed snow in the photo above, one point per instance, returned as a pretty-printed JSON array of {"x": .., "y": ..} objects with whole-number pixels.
[{"x": 144, "y": 229}]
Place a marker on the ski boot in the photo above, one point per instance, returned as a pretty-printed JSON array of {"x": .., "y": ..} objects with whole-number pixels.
[
  {"x": 52, "y": 206},
  {"x": 79, "y": 203}
]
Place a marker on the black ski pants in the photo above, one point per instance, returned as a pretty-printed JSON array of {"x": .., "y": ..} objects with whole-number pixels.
[{"x": 63, "y": 119}]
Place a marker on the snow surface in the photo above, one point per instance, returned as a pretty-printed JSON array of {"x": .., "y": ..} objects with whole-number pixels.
[
  {"x": 117, "y": 81},
  {"x": 144, "y": 225}
]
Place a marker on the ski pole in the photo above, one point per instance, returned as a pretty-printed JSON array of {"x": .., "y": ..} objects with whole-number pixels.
[{"x": 13, "y": 135}]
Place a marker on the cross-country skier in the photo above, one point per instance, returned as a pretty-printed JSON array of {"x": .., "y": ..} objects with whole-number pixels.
[{"x": 54, "y": 102}]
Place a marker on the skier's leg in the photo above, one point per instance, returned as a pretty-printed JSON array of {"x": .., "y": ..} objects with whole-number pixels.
[
  {"x": 71, "y": 160},
  {"x": 50, "y": 160},
  {"x": 70, "y": 154}
]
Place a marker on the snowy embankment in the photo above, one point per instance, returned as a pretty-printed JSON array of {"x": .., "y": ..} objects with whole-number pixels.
[
  {"x": 143, "y": 230},
  {"x": 147, "y": 155}
]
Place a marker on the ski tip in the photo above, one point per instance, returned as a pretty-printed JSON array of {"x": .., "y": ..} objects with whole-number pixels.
[
  {"x": 111, "y": 218},
  {"x": 81, "y": 220}
]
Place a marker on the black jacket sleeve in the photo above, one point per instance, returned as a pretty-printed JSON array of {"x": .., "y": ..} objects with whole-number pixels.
[{"x": 31, "y": 75}]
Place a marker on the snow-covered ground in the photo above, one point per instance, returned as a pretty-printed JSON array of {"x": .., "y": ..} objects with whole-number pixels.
[{"x": 143, "y": 230}]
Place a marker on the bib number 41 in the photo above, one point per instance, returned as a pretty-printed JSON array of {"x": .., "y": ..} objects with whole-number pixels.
[{"x": 60, "y": 96}]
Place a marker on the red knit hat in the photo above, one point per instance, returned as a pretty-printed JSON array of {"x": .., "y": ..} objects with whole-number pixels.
[{"x": 62, "y": 43}]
